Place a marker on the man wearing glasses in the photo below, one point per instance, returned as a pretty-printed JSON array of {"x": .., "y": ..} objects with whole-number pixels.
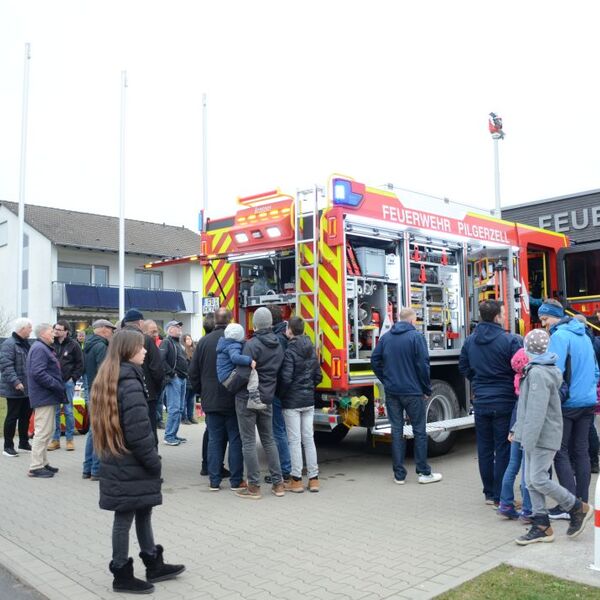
[{"x": 70, "y": 357}]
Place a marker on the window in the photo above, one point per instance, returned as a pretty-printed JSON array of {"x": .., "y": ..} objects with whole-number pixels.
[
  {"x": 582, "y": 271},
  {"x": 3, "y": 233},
  {"x": 82, "y": 274},
  {"x": 148, "y": 280}
]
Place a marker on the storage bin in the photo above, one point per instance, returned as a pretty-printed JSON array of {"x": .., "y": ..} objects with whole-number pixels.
[{"x": 371, "y": 261}]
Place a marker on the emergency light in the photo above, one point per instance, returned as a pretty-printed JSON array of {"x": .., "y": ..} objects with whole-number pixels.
[{"x": 343, "y": 194}]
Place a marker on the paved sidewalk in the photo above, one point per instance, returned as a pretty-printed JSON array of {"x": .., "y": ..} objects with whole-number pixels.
[{"x": 361, "y": 538}]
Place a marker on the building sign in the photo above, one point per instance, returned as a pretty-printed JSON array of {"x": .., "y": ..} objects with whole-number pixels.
[{"x": 577, "y": 216}]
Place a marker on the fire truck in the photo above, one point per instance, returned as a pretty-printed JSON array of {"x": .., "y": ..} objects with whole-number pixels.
[{"x": 346, "y": 258}]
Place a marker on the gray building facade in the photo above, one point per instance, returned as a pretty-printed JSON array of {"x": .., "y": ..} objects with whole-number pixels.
[{"x": 576, "y": 215}]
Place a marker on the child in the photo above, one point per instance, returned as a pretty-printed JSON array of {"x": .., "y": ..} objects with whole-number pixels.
[
  {"x": 300, "y": 373},
  {"x": 507, "y": 494},
  {"x": 130, "y": 468},
  {"x": 229, "y": 356},
  {"x": 539, "y": 431}
]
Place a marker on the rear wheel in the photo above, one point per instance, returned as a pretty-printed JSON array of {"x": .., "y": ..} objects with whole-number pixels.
[{"x": 441, "y": 406}]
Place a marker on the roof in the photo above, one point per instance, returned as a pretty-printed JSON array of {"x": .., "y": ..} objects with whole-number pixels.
[
  {"x": 555, "y": 199},
  {"x": 75, "y": 229}
]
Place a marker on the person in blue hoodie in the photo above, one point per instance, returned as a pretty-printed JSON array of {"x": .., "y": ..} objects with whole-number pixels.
[
  {"x": 401, "y": 362},
  {"x": 485, "y": 361},
  {"x": 577, "y": 362}
]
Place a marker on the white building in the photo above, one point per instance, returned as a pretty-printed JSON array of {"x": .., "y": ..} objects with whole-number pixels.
[{"x": 71, "y": 268}]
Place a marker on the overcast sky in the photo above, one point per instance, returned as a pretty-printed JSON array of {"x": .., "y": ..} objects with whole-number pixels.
[{"x": 384, "y": 91}]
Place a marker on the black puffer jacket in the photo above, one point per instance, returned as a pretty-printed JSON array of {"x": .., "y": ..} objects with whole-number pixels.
[
  {"x": 203, "y": 375},
  {"x": 13, "y": 360},
  {"x": 70, "y": 357},
  {"x": 266, "y": 350},
  {"x": 300, "y": 373},
  {"x": 132, "y": 481}
]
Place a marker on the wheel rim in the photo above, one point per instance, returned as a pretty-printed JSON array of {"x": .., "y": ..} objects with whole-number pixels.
[{"x": 439, "y": 408}]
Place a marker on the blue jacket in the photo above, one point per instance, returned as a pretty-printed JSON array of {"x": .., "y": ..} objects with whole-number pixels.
[
  {"x": 229, "y": 356},
  {"x": 401, "y": 361},
  {"x": 485, "y": 362},
  {"x": 44, "y": 378},
  {"x": 568, "y": 337}
]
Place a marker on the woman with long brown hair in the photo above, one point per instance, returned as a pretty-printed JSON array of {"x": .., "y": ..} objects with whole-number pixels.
[
  {"x": 130, "y": 468},
  {"x": 188, "y": 410}
]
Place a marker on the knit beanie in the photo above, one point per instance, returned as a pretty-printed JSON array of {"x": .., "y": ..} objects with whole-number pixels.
[
  {"x": 536, "y": 341},
  {"x": 551, "y": 310},
  {"x": 234, "y": 331},
  {"x": 262, "y": 318}
]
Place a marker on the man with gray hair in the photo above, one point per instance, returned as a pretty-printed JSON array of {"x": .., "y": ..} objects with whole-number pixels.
[
  {"x": 46, "y": 392},
  {"x": 401, "y": 362},
  {"x": 13, "y": 386}
]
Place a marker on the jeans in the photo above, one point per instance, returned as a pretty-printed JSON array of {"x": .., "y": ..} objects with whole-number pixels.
[
  {"x": 160, "y": 406},
  {"x": 223, "y": 427},
  {"x": 190, "y": 405},
  {"x": 539, "y": 484},
  {"x": 493, "y": 448},
  {"x": 68, "y": 410},
  {"x": 574, "y": 449},
  {"x": 594, "y": 443},
  {"x": 91, "y": 463},
  {"x": 248, "y": 422},
  {"x": 507, "y": 494},
  {"x": 120, "y": 534},
  {"x": 415, "y": 409},
  {"x": 205, "y": 442},
  {"x": 17, "y": 409},
  {"x": 281, "y": 438},
  {"x": 174, "y": 397},
  {"x": 299, "y": 423}
]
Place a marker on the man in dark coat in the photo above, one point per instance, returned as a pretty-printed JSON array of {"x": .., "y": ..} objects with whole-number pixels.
[
  {"x": 485, "y": 362},
  {"x": 13, "y": 386},
  {"x": 401, "y": 362},
  {"x": 218, "y": 405},
  {"x": 264, "y": 348},
  {"x": 279, "y": 430},
  {"x": 46, "y": 391},
  {"x": 94, "y": 352},
  {"x": 70, "y": 357},
  {"x": 154, "y": 373}
]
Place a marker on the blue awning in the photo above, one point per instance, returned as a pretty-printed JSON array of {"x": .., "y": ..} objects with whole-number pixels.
[{"x": 89, "y": 296}]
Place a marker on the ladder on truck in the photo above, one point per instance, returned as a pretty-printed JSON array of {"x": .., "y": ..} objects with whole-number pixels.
[{"x": 306, "y": 245}]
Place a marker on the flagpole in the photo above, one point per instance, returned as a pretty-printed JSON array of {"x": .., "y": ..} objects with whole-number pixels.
[
  {"x": 21, "y": 225},
  {"x": 204, "y": 198},
  {"x": 122, "y": 198},
  {"x": 495, "y": 127}
]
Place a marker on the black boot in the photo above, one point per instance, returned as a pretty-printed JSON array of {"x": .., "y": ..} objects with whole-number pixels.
[
  {"x": 156, "y": 569},
  {"x": 124, "y": 580}
]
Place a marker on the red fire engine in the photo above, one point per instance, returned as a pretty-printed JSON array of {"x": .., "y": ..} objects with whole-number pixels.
[{"x": 347, "y": 258}]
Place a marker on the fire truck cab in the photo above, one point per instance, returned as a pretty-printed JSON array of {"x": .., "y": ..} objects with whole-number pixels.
[{"x": 347, "y": 258}]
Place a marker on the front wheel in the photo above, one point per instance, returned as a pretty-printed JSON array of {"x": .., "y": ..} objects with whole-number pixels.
[{"x": 441, "y": 406}]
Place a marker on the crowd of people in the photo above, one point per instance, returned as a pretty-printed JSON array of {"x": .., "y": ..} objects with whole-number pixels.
[{"x": 534, "y": 401}]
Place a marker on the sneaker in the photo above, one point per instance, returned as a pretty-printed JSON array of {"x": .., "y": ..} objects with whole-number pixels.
[
  {"x": 536, "y": 534},
  {"x": 181, "y": 440},
  {"x": 489, "y": 500},
  {"x": 399, "y": 481},
  {"x": 240, "y": 486},
  {"x": 581, "y": 513},
  {"x": 278, "y": 490},
  {"x": 507, "y": 511},
  {"x": 51, "y": 469},
  {"x": 225, "y": 473},
  {"x": 268, "y": 479},
  {"x": 172, "y": 442},
  {"x": 204, "y": 472},
  {"x": 54, "y": 445},
  {"x": 70, "y": 445},
  {"x": 10, "y": 452},
  {"x": 294, "y": 486},
  {"x": 250, "y": 491},
  {"x": 193, "y": 421},
  {"x": 25, "y": 448},
  {"x": 86, "y": 475},
  {"x": 214, "y": 487},
  {"x": 431, "y": 478},
  {"x": 185, "y": 422},
  {"x": 595, "y": 467},
  {"x": 94, "y": 478},
  {"x": 313, "y": 484},
  {"x": 42, "y": 473},
  {"x": 256, "y": 405},
  {"x": 558, "y": 513},
  {"x": 526, "y": 516}
]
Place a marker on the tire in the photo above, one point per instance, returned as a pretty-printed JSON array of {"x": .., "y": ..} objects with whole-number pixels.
[
  {"x": 335, "y": 436},
  {"x": 441, "y": 406}
]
